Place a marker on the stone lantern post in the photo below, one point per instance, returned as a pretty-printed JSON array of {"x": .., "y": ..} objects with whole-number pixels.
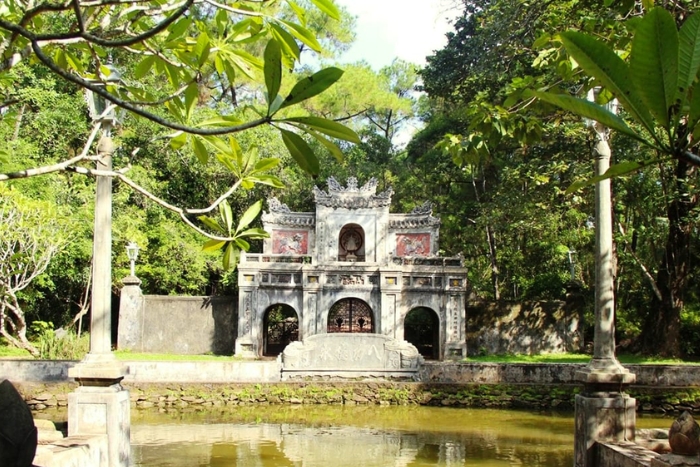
[
  {"x": 604, "y": 412},
  {"x": 100, "y": 405}
]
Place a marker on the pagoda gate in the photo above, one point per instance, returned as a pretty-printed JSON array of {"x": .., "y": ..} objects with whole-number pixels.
[{"x": 351, "y": 267}]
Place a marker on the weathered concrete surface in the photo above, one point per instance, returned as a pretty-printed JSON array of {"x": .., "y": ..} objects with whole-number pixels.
[
  {"x": 350, "y": 355},
  {"x": 624, "y": 455},
  {"x": 97, "y": 410},
  {"x": 180, "y": 325},
  {"x": 523, "y": 328},
  {"x": 74, "y": 451},
  {"x": 35, "y": 370},
  {"x": 204, "y": 372},
  {"x": 672, "y": 376},
  {"x": 601, "y": 417},
  {"x": 673, "y": 460}
]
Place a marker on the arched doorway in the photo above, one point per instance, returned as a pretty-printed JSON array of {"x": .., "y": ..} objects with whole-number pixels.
[
  {"x": 422, "y": 329},
  {"x": 350, "y": 315},
  {"x": 280, "y": 327}
]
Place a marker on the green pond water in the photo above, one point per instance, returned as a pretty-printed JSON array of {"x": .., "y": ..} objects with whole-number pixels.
[{"x": 357, "y": 436}]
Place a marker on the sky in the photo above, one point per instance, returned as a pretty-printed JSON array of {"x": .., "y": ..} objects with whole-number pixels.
[{"x": 387, "y": 29}]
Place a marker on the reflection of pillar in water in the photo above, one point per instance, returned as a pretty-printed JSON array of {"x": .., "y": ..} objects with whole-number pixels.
[{"x": 452, "y": 454}]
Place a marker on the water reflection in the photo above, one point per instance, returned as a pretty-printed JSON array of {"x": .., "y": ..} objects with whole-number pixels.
[{"x": 310, "y": 436}]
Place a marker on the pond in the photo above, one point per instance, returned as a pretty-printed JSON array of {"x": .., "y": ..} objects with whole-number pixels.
[{"x": 309, "y": 436}]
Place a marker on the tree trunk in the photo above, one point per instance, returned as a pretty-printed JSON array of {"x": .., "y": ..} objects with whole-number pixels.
[
  {"x": 661, "y": 329},
  {"x": 495, "y": 277}
]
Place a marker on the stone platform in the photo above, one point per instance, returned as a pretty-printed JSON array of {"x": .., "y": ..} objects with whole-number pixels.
[{"x": 347, "y": 355}]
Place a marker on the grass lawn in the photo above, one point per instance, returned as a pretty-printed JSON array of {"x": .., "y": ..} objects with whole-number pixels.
[
  {"x": 7, "y": 351},
  {"x": 575, "y": 358}
]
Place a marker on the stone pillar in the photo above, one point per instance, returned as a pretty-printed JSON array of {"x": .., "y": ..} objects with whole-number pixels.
[
  {"x": 130, "y": 315},
  {"x": 603, "y": 411},
  {"x": 100, "y": 405},
  {"x": 246, "y": 346}
]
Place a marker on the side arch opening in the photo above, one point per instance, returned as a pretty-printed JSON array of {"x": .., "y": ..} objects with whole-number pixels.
[
  {"x": 422, "y": 329},
  {"x": 280, "y": 328}
]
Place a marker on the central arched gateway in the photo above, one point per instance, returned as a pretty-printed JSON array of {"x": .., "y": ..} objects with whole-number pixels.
[{"x": 350, "y": 315}]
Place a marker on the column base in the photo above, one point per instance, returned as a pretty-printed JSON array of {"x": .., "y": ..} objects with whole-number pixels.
[
  {"x": 101, "y": 406},
  {"x": 603, "y": 411},
  {"x": 97, "y": 410},
  {"x": 245, "y": 348}
]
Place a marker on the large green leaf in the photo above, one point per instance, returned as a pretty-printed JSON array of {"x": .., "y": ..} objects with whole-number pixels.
[
  {"x": 328, "y": 144},
  {"x": 199, "y": 148},
  {"x": 602, "y": 63},
  {"x": 213, "y": 245},
  {"x": 231, "y": 256},
  {"x": 328, "y": 7},
  {"x": 300, "y": 151},
  {"x": 249, "y": 216},
  {"x": 255, "y": 232},
  {"x": 688, "y": 52},
  {"x": 226, "y": 215},
  {"x": 654, "y": 63},
  {"x": 269, "y": 180},
  {"x": 211, "y": 223},
  {"x": 303, "y": 34},
  {"x": 288, "y": 45},
  {"x": 617, "y": 170},
  {"x": 273, "y": 71},
  {"x": 144, "y": 66},
  {"x": 263, "y": 165},
  {"x": 590, "y": 110},
  {"x": 327, "y": 127},
  {"x": 313, "y": 85},
  {"x": 688, "y": 66}
]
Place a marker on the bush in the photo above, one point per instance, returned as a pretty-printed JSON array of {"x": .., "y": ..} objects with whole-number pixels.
[
  {"x": 59, "y": 344},
  {"x": 690, "y": 332}
]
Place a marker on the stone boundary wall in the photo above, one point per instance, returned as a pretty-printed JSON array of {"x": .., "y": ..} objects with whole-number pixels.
[
  {"x": 268, "y": 371},
  {"x": 197, "y": 396},
  {"x": 178, "y": 325},
  {"x": 659, "y": 388},
  {"x": 499, "y": 328}
]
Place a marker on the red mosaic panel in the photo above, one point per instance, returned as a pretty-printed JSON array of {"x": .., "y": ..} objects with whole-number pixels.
[
  {"x": 413, "y": 244},
  {"x": 290, "y": 242}
]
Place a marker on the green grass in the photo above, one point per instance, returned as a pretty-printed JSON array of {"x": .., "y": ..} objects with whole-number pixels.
[
  {"x": 544, "y": 358},
  {"x": 13, "y": 352},
  {"x": 7, "y": 351},
  {"x": 575, "y": 358}
]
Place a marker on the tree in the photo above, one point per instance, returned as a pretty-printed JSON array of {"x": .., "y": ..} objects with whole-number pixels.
[
  {"x": 174, "y": 40},
  {"x": 30, "y": 236},
  {"x": 658, "y": 92},
  {"x": 199, "y": 72}
]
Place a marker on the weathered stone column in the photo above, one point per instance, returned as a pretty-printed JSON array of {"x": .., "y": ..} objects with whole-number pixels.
[
  {"x": 130, "y": 315},
  {"x": 603, "y": 411},
  {"x": 100, "y": 405}
]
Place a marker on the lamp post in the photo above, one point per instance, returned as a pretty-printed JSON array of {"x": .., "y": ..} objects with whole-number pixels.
[
  {"x": 604, "y": 334},
  {"x": 572, "y": 264},
  {"x": 132, "y": 252},
  {"x": 100, "y": 405},
  {"x": 603, "y": 411}
]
